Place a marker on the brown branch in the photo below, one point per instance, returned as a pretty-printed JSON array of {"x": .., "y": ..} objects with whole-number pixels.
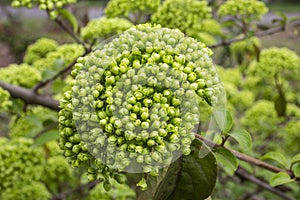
[
  {"x": 257, "y": 34},
  {"x": 30, "y": 97},
  {"x": 247, "y": 158},
  {"x": 61, "y": 72},
  {"x": 70, "y": 32},
  {"x": 79, "y": 189},
  {"x": 244, "y": 174}
]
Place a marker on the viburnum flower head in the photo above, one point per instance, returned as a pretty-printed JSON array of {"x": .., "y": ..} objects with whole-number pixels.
[{"x": 136, "y": 101}]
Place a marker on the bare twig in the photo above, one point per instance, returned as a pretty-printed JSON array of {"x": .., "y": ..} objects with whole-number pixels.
[
  {"x": 70, "y": 32},
  {"x": 47, "y": 128},
  {"x": 258, "y": 34},
  {"x": 247, "y": 158},
  {"x": 241, "y": 172},
  {"x": 80, "y": 188},
  {"x": 30, "y": 97}
]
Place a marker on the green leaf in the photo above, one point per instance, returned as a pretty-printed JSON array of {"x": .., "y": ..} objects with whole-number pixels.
[
  {"x": 280, "y": 104},
  {"x": 243, "y": 138},
  {"x": 295, "y": 159},
  {"x": 46, "y": 137},
  {"x": 227, "y": 160},
  {"x": 223, "y": 119},
  {"x": 70, "y": 17},
  {"x": 190, "y": 177},
  {"x": 278, "y": 157},
  {"x": 48, "y": 74},
  {"x": 280, "y": 178},
  {"x": 58, "y": 64},
  {"x": 284, "y": 18},
  {"x": 296, "y": 169}
]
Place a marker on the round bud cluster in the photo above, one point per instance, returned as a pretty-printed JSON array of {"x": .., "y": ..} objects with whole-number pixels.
[
  {"x": 21, "y": 75},
  {"x": 5, "y": 103},
  {"x": 277, "y": 61},
  {"x": 290, "y": 136},
  {"x": 118, "y": 191},
  {"x": 246, "y": 10},
  {"x": 56, "y": 173},
  {"x": 135, "y": 102},
  {"x": 39, "y": 50},
  {"x": 19, "y": 162},
  {"x": 245, "y": 47},
  {"x": 104, "y": 28},
  {"x": 49, "y": 5},
  {"x": 26, "y": 125},
  {"x": 261, "y": 118},
  {"x": 122, "y": 8},
  {"x": 25, "y": 190},
  {"x": 66, "y": 53},
  {"x": 182, "y": 14}
]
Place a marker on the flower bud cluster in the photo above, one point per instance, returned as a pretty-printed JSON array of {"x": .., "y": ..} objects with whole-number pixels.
[
  {"x": 275, "y": 61},
  {"x": 122, "y": 8},
  {"x": 39, "y": 50},
  {"x": 247, "y": 10},
  {"x": 135, "y": 102},
  {"x": 66, "y": 53},
  {"x": 29, "y": 190},
  {"x": 49, "y": 5},
  {"x": 104, "y": 28},
  {"x": 5, "y": 103},
  {"x": 23, "y": 124},
  {"x": 19, "y": 162},
  {"x": 23, "y": 75},
  {"x": 186, "y": 15}
]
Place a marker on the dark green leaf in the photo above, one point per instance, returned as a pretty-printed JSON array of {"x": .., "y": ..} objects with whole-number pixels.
[
  {"x": 279, "y": 179},
  {"x": 46, "y": 137},
  {"x": 243, "y": 138},
  {"x": 190, "y": 177},
  {"x": 227, "y": 160},
  {"x": 70, "y": 17},
  {"x": 280, "y": 104},
  {"x": 278, "y": 157}
]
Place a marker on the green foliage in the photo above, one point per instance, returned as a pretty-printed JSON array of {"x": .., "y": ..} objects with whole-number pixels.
[
  {"x": 246, "y": 10},
  {"x": 123, "y": 8},
  {"x": 118, "y": 191},
  {"x": 39, "y": 50},
  {"x": 23, "y": 75},
  {"x": 5, "y": 102},
  {"x": 104, "y": 28}
]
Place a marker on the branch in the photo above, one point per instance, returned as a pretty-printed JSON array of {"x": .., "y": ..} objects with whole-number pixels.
[
  {"x": 61, "y": 72},
  {"x": 258, "y": 34},
  {"x": 79, "y": 189},
  {"x": 30, "y": 97},
  {"x": 244, "y": 174},
  {"x": 71, "y": 33},
  {"x": 247, "y": 158}
]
